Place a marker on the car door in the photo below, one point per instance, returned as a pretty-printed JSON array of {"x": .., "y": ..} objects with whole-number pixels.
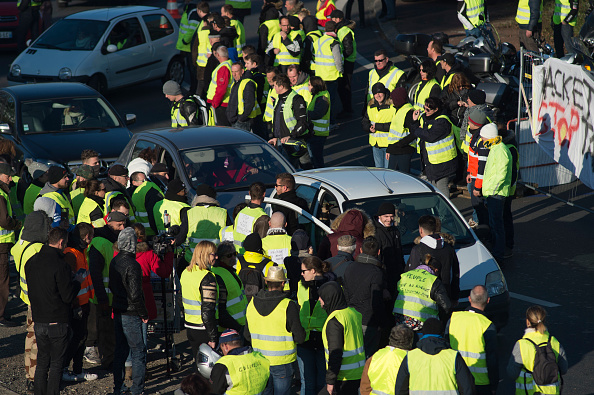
[
  {"x": 160, "y": 33},
  {"x": 132, "y": 60}
]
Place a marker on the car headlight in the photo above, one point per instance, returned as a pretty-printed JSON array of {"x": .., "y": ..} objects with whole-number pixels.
[
  {"x": 495, "y": 283},
  {"x": 15, "y": 70},
  {"x": 65, "y": 73}
]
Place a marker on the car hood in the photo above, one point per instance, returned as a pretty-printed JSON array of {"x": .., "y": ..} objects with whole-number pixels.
[
  {"x": 63, "y": 147},
  {"x": 48, "y": 62}
]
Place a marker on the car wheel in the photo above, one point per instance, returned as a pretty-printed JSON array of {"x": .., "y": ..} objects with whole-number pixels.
[
  {"x": 98, "y": 83},
  {"x": 175, "y": 71}
]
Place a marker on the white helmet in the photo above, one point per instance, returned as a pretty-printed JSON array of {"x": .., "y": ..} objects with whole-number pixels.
[{"x": 206, "y": 359}]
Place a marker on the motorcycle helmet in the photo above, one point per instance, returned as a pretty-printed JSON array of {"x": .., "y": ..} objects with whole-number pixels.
[
  {"x": 206, "y": 359},
  {"x": 295, "y": 148}
]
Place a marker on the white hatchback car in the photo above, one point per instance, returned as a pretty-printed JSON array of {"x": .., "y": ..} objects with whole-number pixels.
[
  {"x": 331, "y": 191},
  {"x": 105, "y": 48}
]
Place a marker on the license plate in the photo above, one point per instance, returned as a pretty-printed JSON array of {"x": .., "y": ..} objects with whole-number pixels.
[{"x": 5, "y": 34}]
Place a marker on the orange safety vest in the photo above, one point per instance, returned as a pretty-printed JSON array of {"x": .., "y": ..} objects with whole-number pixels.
[{"x": 86, "y": 287}]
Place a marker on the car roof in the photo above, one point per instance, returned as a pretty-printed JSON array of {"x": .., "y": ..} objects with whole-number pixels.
[
  {"x": 107, "y": 14},
  {"x": 359, "y": 182},
  {"x": 49, "y": 90},
  {"x": 202, "y": 136}
]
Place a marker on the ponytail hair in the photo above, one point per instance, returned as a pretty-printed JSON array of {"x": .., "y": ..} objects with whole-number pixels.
[
  {"x": 536, "y": 316},
  {"x": 432, "y": 262},
  {"x": 313, "y": 262}
]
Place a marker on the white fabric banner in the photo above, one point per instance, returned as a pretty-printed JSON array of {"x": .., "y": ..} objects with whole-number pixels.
[{"x": 563, "y": 116}]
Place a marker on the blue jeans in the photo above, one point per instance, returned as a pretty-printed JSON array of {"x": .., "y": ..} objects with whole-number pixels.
[
  {"x": 495, "y": 205},
  {"x": 281, "y": 378},
  {"x": 313, "y": 370},
  {"x": 144, "y": 339},
  {"x": 315, "y": 146},
  {"x": 128, "y": 334},
  {"x": 379, "y": 157}
]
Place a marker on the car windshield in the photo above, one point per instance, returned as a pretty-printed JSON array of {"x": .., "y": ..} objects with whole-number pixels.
[
  {"x": 72, "y": 35},
  {"x": 236, "y": 166},
  {"x": 410, "y": 208},
  {"x": 67, "y": 114}
]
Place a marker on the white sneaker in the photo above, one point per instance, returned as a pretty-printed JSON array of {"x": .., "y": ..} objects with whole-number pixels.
[
  {"x": 86, "y": 376},
  {"x": 69, "y": 377}
]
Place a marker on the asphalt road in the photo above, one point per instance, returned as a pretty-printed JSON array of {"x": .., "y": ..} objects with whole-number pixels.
[{"x": 553, "y": 261}]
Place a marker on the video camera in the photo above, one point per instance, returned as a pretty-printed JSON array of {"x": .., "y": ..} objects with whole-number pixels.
[{"x": 164, "y": 240}]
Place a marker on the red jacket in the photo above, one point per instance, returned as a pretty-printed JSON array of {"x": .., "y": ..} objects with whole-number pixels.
[
  {"x": 328, "y": 6},
  {"x": 223, "y": 76}
]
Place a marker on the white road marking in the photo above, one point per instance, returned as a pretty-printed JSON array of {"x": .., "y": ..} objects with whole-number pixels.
[{"x": 533, "y": 300}]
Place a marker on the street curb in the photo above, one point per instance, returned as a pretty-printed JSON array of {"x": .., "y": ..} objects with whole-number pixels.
[{"x": 6, "y": 391}]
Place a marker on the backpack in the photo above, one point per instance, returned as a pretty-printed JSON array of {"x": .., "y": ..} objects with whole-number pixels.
[
  {"x": 200, "y": 117},
  {"x": 545, "y": 371},
  {"x": 251, "y": 276}
]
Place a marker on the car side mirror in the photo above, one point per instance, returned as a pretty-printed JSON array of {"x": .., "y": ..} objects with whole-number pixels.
[
  {"x": 5, "y": 128},
  {"x": 130, "y": 119},
  {"x": 111, "y": 48}
]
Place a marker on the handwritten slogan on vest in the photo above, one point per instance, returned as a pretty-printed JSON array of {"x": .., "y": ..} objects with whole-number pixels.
[
  {"x": 562, "y": 104},
  {"x": 416, "y": 284}
]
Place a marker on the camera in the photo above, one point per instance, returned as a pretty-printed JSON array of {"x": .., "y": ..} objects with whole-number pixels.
[{"x": 164, "y": 240}]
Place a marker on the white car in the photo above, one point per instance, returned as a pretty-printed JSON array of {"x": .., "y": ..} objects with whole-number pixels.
[
  {"x": 331, "y": 191},
  {"x": 105, "y": 48}
]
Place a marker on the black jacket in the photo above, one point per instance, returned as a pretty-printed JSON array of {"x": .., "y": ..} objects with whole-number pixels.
[
  {"x": 51, "y": 287},
  {"x": 348, "y": 40},
  {"x": 450, "y": 102},
  {"x": 434, "y": 345},
  {"x": 390, "y": 253},
  {"x": 112, "y": 185},
  {"x": 280, "y": 128},
  {"x": 333, "y": 297},
  {"x": 269, "y": 12},
  {"x": 125, "y": 282},
  {"x": 97, "y": 262},
  {"x": 364, "y": 285},
  {"x": 340, "y": 262},
  {"x": 490, "y": 337},
  {"x": 266, "y": 301},
  {"x": 249, "y": 99},
  {"x": 225, "y": 319},
  {"x": 433, "y": 130},
  {"x": 437, "y": 245},
  {"x": 290, "y": 215}
]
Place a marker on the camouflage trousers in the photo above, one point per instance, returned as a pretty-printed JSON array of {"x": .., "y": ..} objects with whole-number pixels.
[{"x": 30, "y": 348}]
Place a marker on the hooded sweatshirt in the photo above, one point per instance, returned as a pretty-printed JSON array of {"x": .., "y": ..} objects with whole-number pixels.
[
  {"x": 266, "y": 301},
  {"x": 333, "y": 297},
  {"x": 433, "y": 345},
  {"x": 50, "y": 208},
  {"x": 352, "y": 222},
  {"x": 440, "y": 249}
]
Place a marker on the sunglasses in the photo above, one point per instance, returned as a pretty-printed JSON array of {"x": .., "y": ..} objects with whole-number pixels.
[
  {"x": 380, "y": 60},
  {"x": 278, "y": 185},
  {"x": 306, "y": 270}
]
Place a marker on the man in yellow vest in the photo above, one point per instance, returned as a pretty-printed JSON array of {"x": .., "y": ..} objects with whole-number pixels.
[
  {"x": 229, "y": 11},
  {"x": 8, "y": 226},
  {"x": 83, "y": 174},
  {"x": 56, "y": 189},
  {"x": 471, "y": 13},
  {"x": 449, "y": 373},
  {"x": 241, "y": 370},
  {"x": 437, "y": 144},
  {"x": 220, "y": 86},
  {"x": 274, "y": 328},
  {"x": 243, "y": 107},
  {"x": 346, "y": 36},
  {"x": 299, "y": 82},
  {"x": 277, "y": 243},
  {"x": 329, "y": 64},
  {"x": 243, "y": 224},
  {"x": 144, "y": 197},
  {"x": 269, "y": 26},
  {"x": 564, "y": 20},
  {"x": 201, "y": 47},
  {"x": 38, "y": 172},
  {"x": 100, "y": 254},
  {"x": 174, "y": 202},
  {"x": 183, "y": 109},
  {"x": 287, "y": 44},
  {"x": 384, "y": 71},
  {"x": 342, "y": 336},
  {"x": 529, "y": 19},
  {"x": 379, "y": 373},
  {"x": 289, "y": 121},
  {"x": 187, "y": 28},
  {"x": 474, "y": 336}
]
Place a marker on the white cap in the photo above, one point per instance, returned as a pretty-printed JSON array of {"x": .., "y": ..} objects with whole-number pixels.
[{"x": 489, "y": 131}]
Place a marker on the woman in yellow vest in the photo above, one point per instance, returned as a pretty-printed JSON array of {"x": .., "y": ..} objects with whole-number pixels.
[
  {"x": 310, "y": 354},
  {"x": 428, "y": 86},
  {"x": 200, "y": 297},
  {"x": 318, "y": 117},
  {"x": 92, "y": 208},
  {"x": 455, "y": 97},
  {"x": 521, "y": 362},
  {"x": 437, "y": 144},
  {"x": 376, "y": 122},
  {"x": 403, "y": 143}
]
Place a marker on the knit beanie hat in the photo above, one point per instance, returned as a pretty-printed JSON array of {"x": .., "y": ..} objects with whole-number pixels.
[
  {"x": 477, "y": 96},
  {"x": 253, "y": 243},
  {"x": 171, "y": 88},
  {"x": 55, "y": 174},
  {"x": 432, "y": 326},
  {"x": 489, "y": 131},
  {"x": 477, "y": 117},
  {"x": 399, "y": 97},
  {"x": 118, "y": 170},
  {"x": 205, "y": 189},
  {"x": 386, "y": 208},
  {"x": 299, "y": 240},
  {"x": 175, "y": 186},
  {"x": 378, "y": 87}
]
